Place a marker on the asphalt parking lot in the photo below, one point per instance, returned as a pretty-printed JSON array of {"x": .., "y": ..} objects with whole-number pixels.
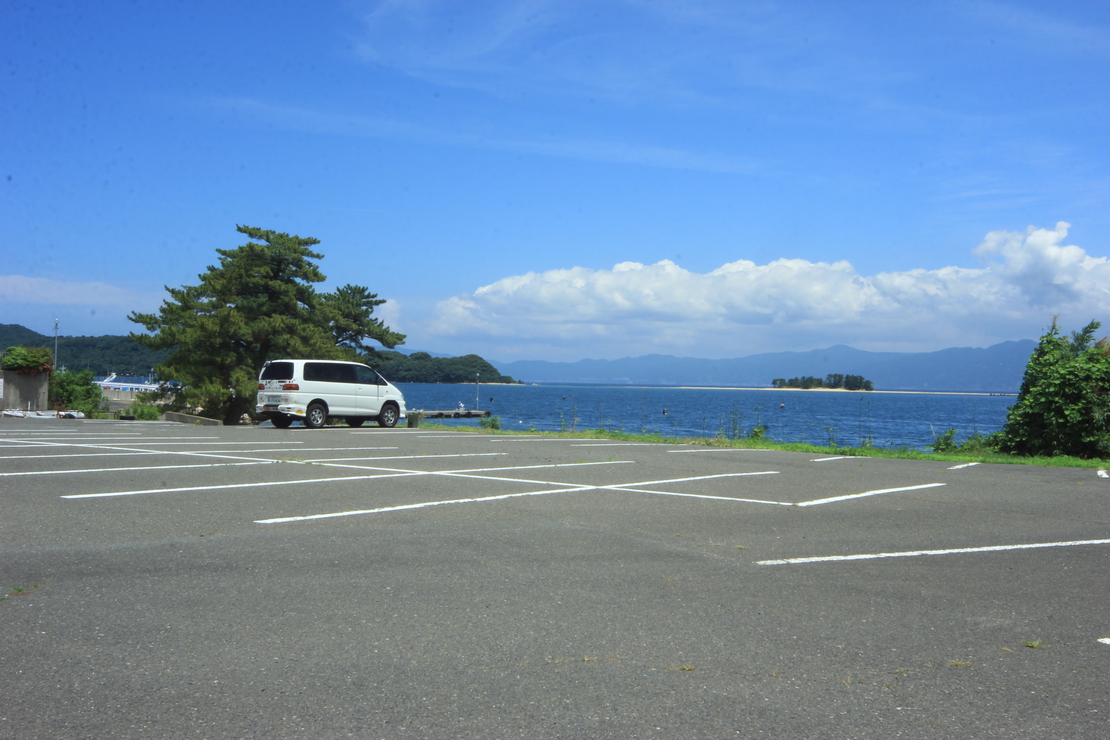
[{"x": 166, "y": 580}]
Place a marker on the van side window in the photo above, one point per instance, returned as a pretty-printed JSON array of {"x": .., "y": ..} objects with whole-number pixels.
[
  {"x": 329, "y": 372},
  {"x": 366, "y": 376}
]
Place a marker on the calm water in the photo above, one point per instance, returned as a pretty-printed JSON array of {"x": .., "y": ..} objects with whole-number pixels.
[{"x": 886, "y": 419}]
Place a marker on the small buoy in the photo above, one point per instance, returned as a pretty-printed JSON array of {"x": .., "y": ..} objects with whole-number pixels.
[
  {"x": 664, "y": 412},
  {"x": 782, "y": 405}
]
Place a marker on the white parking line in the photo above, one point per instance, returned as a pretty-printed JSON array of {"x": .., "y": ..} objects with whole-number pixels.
[
  {"x": 422, "y": 505},
  {"x": 259, "y": 484},
  {"x": 838, "y": 457},
  {"x": 833, "y": 499},
  {"x": 112, "y": 452},
  {"x": 730, "y": 499},
  {"x": 915, "y": 553},
  {"x": 181, "y": 444},
  {"x": 385, "y": 473},
  {"x": 724, "y": 449},
  {"x": 32, "y": 438},
  {"x": 965, "y": 465},
  {"x": 324, "y": 460},
  {"x": 573, "y": 489},
  {"x": 143, "y": 467},
  {"x": 53, "y": 456},
  {"x": 120, "y": 449}
]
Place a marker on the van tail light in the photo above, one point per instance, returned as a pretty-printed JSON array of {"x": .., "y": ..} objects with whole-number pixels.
[
  {"x": 261, "y": 386},
  {"x": 291, "y": 387}
]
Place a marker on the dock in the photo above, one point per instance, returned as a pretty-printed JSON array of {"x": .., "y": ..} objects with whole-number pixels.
[{"x": 452, "y": 414}]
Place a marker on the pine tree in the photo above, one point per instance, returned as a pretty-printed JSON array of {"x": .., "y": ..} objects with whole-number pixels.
[{"x": 257, "y": 305}]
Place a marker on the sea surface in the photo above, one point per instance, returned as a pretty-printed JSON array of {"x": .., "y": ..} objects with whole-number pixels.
[{"x": 818, "y": 417}]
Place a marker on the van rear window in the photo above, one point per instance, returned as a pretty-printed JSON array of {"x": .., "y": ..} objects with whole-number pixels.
[{"x": 277, "y": 371}]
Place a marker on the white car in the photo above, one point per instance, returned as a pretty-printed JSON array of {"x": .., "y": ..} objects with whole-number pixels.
[{"x": 315, "y": 390}]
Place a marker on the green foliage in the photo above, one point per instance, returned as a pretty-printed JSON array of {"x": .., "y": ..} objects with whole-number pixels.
[
  {"x": 833, "y": 380},
  {"x": 490, "y": 422},
  {"x": 28, "y": 360},
  {"x": 1063, "y": 407},
  {"x": 420, "y": 367},
  {"x": 76, "y": 391},
  {"x": 981, "y": 444},
  {"x": 349, "y": 310},
  {"x": 944, "y": 442},
  {"x": 143, "y": 411},
  {"x": 259, "y": 304}
]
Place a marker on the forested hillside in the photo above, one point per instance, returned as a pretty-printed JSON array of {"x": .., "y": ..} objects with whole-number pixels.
[
  {"x": 121, "y": 355},
  {"x": 421, "y": 367},
  {"x": 102, "y": 355}
]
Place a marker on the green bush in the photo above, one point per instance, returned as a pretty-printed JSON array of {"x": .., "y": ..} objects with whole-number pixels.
[
  {"x": 944, "y": 442},
  {"x": 490, "y": 422},
  {"x": 1063, "y": 407},
  {"x": 28, "y": 360},
  {"x": 143, "y": 411},
  {"x": 76, "y": 391},
  {"x": 982, "y": 444}
]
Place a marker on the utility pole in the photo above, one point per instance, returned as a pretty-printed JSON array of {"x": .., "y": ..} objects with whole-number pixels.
[
  {"x": 55, "y": 344},
  {"x": 477, "y": 393}
]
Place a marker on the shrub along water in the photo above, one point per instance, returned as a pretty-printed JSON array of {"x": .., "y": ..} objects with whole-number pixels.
[{"x": 1064, "y": 404}]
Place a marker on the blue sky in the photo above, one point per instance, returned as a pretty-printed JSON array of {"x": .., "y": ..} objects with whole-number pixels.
[{"x": 562, "y": 180}]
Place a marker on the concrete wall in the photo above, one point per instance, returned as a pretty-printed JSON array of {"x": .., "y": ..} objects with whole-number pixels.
[
  {"x": 25, "y": 391},
  {"x": 190, "y": 419}
]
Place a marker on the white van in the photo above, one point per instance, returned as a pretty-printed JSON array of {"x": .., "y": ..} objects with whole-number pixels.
[{"x": 314, "y": 390}]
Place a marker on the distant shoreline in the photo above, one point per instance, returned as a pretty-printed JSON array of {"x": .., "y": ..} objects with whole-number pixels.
[
  {"x": 734, "y": 388},
  {"x": 838, "y": 390}
]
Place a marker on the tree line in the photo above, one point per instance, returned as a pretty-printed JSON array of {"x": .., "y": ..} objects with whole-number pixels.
[
  {"x": 833, "y": 380},
  {"x": 101, "y": 355},
  {"x": 126, "y": 357},
  {"x": 421, "y": 367}
]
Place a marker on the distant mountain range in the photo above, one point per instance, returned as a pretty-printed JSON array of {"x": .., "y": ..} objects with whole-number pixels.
[{"x": 996, "y": 369}]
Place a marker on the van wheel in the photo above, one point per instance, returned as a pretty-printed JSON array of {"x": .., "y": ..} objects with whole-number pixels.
[
  {"x": 316, "y": 416},
  {"x": 281, "y": 422},
  {"x": 388, "y": 416},
  {"x": 354, "y": 421}
]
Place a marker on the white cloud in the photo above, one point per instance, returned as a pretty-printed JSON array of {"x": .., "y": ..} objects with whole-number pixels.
[
  {"x": 743, "y": 308},
  {"x": 24, "y": 289},
  {"x": 83, "y": 308}
]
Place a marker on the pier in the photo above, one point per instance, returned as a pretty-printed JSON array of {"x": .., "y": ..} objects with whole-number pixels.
[{"x": 452, "y": 414}]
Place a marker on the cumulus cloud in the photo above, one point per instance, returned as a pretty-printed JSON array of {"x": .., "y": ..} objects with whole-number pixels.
[{"x": 743, "y": 308}]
